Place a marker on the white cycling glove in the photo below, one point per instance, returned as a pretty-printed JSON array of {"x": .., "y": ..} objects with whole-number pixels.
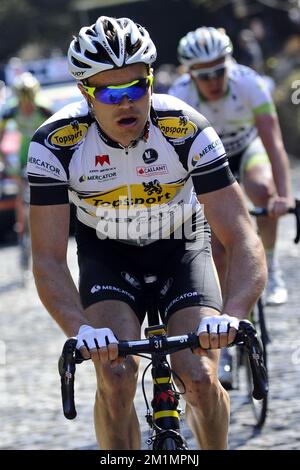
[
  {"x": 218, "y": 324},
  {"x": 94, "y": 337}
]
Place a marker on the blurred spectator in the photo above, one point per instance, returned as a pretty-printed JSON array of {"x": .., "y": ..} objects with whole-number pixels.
[
  {"x": 258, "y": 29},
  {"x": 14, "y": 68},
  {"x": 249, "y": 51},
  {"x": 2, "y": 94},
  {"x": 57, "y": 70},
  {"x": 165, "y": 76},
  {"x": 250, "y": 54},
  {"x": 27, "y": 116},
  {"x": 287, "y": 60}
]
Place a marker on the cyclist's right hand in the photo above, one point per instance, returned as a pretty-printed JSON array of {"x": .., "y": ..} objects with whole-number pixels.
[{"x": 99, "y": 344}]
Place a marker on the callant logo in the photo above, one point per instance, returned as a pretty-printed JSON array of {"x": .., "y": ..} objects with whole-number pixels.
[
  {"x": 152, "y": 170},
  {"x": 67, "y": 136},
  {"x": 177, "y": 128},
  {"x": 101, "y": 159}
]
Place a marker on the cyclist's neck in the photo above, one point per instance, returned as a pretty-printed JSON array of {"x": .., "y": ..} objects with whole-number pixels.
[
  {"x": 115, "y": 144},
  {"x": 27, "y": 108}
]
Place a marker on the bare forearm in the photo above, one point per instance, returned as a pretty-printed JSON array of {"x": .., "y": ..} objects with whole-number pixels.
[
  {"x": 59, "y": 295},
  {"x": 270, "y": 134},
  {"x": 281, "y": 173},
  {"x": 246, "y": 277},
  {"x": 228, "y": 216}
]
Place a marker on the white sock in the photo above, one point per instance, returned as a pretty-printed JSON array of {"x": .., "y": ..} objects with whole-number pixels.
[{"x": 272, "y": 260}]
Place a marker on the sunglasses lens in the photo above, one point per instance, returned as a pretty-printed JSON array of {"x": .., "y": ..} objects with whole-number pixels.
[
  {"x": 115, "y": 95},
  {"x": 220, "y": 72},
  {"x": 208, "y": 75}
]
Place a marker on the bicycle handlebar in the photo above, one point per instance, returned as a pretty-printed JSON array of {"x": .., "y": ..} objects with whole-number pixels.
[
  {"x": 246, "y": 336},
  {"x": 258, "y": 211}
]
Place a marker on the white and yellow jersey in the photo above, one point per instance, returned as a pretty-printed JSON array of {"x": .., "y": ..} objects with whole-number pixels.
[
  {"x": 233, "y": 116},
  {"x": 148, "y": 188}
]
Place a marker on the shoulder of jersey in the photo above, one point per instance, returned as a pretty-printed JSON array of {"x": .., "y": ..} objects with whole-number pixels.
[
  {"x": 66, "y": 129},
  {"x": 180, "y": 86},
  {"x": 46, "y": 112},
  {"x": 177, "y": 121},
  {"x": 242, "y": 72}
]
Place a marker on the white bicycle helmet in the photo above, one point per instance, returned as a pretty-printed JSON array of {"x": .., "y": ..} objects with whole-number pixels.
[
  {"x": 203, "y": 45},
  {"x": 109, "y": 43}
]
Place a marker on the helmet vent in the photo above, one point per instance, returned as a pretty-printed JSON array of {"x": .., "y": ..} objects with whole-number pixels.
[
  {"x": 100, "y": 56},
  {"x": 77, "y": 45},
  {"x": 79, "y": 64},
  {"x": 112, "y": 37},
  {"x": 131, "y": 49},
  {"x": 91, "y": 32}
]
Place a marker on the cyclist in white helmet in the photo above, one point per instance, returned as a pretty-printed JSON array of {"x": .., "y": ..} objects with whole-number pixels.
[
  {"x": 237, "y": 102},
  {"x": 28, "y": 114},
  {"x": 129, "y": 160}
]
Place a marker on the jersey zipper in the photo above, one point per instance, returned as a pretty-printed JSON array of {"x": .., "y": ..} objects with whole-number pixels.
[
  {"x": 127, "y": 154},
  {"x": 127, "y": 175}
]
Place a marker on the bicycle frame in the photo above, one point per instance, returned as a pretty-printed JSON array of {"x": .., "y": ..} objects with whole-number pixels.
[{"x": 165, "y": 420}]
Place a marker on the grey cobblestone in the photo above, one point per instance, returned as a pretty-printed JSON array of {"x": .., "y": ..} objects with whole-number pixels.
[{"x": 30, "y": 342}]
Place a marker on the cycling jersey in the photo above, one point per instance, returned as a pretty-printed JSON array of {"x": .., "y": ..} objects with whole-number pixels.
[
  {"x": 135, "y": 194},
  {"x": 233, "y": 116},
  {"x": 27, "y": 125}
]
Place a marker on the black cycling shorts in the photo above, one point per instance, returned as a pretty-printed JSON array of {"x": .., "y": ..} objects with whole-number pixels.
[{"x": 113, "y": 270}]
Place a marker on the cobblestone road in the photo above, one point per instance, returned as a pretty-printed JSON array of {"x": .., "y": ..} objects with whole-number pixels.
[{"x": 30, "y": 342}]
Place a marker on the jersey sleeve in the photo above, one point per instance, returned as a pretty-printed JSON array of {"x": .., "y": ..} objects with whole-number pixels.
[
  {"x": 258, "y": 95},
  {"x": 51, "y": 152},
  {"x": 208, "y": 164},
  {"x": 48, "y": 179}
]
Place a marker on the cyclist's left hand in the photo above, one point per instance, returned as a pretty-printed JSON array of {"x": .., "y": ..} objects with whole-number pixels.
[
  {"x": 217, "y": 331},
  {"x": 278, "y": 206}
]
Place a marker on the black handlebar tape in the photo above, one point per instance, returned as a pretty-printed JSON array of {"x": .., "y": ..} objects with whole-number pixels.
[
  {"x": 297, "y": 214},
  {"x": 255, "y": 353},
  {"x": 67, "y": 370},
  {"x": 259, "y": 211}
]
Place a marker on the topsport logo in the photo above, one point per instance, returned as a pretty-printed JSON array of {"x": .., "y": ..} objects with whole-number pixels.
[
  {"x": 177, "y": 128},
  {"x": 67, "y": 136}
]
